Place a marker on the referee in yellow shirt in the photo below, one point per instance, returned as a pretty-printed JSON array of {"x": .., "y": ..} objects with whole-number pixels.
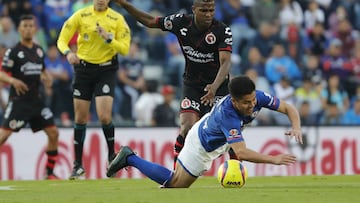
[{"x": 103, "y": 33}]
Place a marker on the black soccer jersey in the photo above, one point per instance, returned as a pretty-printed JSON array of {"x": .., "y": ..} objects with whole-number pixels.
[
  {"x": 200, "y": 48},
  {"x": 27, "y": 65}
]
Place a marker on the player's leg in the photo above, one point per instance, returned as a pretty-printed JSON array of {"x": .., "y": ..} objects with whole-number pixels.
[
  {"x": 187, "y": 120},
  {"x": 104, "y": 99},
  {"x": 4, "y": 135},
  {"x": 81, "y": 115},
  {"x": 161, "y": 175},
  {"x": 104, "y": 111},
  {"x": 51, "y": 150}
]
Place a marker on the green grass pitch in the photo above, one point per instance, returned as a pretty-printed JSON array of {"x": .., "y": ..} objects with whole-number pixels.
[{"x": 300, "y": 189}]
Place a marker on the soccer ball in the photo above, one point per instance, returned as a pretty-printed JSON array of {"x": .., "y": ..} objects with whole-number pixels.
[{"x": 232, "y": 174}]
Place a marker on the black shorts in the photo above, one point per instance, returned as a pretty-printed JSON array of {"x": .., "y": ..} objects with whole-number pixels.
[
  {"x": 20, "y": 112},
  {"x": 94, "y": 80},
  {"x": 190, "y": 100}
]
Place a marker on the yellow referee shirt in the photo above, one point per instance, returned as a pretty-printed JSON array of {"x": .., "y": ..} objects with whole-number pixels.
[{"x": 91, "y": 47}]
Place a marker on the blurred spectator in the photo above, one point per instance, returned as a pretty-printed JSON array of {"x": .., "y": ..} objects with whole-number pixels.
[
  {"x": 145, "y": 105},
  {"x": 307, "y": 93},
  {"x": 80, "y": 4},
  {"x": 333, "y": 62},
  {"x": 306, "y": 116},
  {"x": 335, "y": 17},
  {"x": 354, "y": 14},
  {"x": 260, "y": 81},
  {"x": 332, "y": 115},
  {"x": 281, "y": 65},
  {"x": 352, "y": 116},
  {"x": 265, "y": 39},
  {"x": 164, "y": 115},
  {"x": 254, "y": 61},
  {"x": 290, "y": 14},
  {"x": 283, "y": 90},
  {"x": 334, "y": 94},
  {"x": 313, "y": 14},
  {"x": 233, "y": 14},
  {"x": 315, "y": 41},
  {"x": 61, "y": 92},
  {"x": 175, "y": 67},
  {"x": 265, "y": 11},
  {"x": 15, "y": 8},
  {"x": 131, "y": 81},
  {"x": 347, "y": 36},
  {"x": 56, "y": 12},
  {"x": 8, "y": 34},
  {"x": 312, "y": 69}
]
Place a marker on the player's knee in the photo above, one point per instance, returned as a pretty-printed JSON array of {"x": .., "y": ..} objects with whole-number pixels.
[
  {"x": 104, "y": 118},
  {"x": 53, "y": 134}
]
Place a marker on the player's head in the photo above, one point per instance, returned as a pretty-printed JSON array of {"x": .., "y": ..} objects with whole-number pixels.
[
  {"x": 27, "y": 27},
  {"x": 204, "y": 11},
  {"x": 101, "y": 5},
  {"x": 243, "y": 94}
]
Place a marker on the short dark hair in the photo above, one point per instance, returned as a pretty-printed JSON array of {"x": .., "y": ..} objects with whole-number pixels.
[
  {"x": 240, "y": 86},
  {"x": 27, "y": 17},
  {"x": 202, "y": 1}
]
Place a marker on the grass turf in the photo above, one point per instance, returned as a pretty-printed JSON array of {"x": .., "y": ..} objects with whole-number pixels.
[{"x": 302, "y": 189}]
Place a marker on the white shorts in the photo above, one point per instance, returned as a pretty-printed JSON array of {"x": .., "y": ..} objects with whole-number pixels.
[{"x": 193, "y": 157}]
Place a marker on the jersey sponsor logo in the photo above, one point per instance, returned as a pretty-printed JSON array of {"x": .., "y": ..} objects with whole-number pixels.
[
  {"x": 254, "y": 114},
  {"x": 183, "y": 31},
  {"x": 106, "y": 89},
  {"x": 187, "y": 103},
  {"x": 39, "y": 52},
  {"x": 111, "y": 17},
  {"x": 198, "y": 57},
  {"x": 77, "y": 92},
  {"x": 233, "y": 134},
  {"x": 210, "y": 38},
  {"x": 86, "y": 37},
  {"x": 86, "y": 14},
  {"x": 168, "y": 24},
  {"x": 31, "y": 68},
  {"x": 21, "y": 54},
  {"x": 46, "y": 113},
  {"x": 14, "y": 124}
]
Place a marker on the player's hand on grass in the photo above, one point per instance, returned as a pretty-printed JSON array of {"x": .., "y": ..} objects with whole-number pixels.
[
  {"x": 295, "y": 133},
  {"x": 284, "y": 159},
  {"x": 208, "y": 98},
  {"x": 20, "y": 86}
]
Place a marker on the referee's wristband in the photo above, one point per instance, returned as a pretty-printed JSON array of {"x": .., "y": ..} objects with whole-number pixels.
[{"x": 66, "y": 52}]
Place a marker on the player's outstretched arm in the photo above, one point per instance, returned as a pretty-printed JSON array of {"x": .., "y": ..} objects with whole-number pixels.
[
  {"x": 245, "y": 154},
  {"x": 141, "y": 16},
  {"x": 294, "y": 118}
]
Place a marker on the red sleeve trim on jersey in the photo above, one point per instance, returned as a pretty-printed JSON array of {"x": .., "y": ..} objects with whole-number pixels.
[{"x": 226, "y": 49}]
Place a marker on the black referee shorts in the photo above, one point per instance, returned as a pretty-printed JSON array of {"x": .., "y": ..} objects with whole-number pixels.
[{"x": 94, "y": 79}]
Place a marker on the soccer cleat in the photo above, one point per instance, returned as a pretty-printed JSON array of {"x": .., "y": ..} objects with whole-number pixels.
[
  {"x": 52, "y": 177},
  {"x": 112, "y": 157},
  {"x": 77, "y": 172},
  {"x": 120, "y": 161}
]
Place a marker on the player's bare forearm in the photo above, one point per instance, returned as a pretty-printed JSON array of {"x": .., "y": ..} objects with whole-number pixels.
[
  {"x": 294, "y": 118},
  {"x": 224, "y": 71},
  {"x": 141, "y": 16}
]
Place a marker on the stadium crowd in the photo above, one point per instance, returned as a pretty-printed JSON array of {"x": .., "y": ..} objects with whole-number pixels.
[{"x": 306, "y": 52}]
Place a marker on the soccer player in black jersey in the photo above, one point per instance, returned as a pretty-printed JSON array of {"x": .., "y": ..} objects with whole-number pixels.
[
  {"x": 25, "y": 63},
  {"x": 207, "y": 45}
]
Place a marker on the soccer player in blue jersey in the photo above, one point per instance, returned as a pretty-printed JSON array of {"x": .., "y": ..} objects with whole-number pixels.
[{"x": 214, "y": 134}]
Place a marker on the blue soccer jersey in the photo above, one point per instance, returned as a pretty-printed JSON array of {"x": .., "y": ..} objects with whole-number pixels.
[{"x": 224, "y": 124}]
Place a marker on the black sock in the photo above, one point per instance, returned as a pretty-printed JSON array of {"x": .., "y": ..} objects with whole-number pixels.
[
  {"x": 51, "y": 160},
  {"x": 179, "y": 144},
  {"x": 79, "y": 137},
  {"x": 110, "y": 140}
]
